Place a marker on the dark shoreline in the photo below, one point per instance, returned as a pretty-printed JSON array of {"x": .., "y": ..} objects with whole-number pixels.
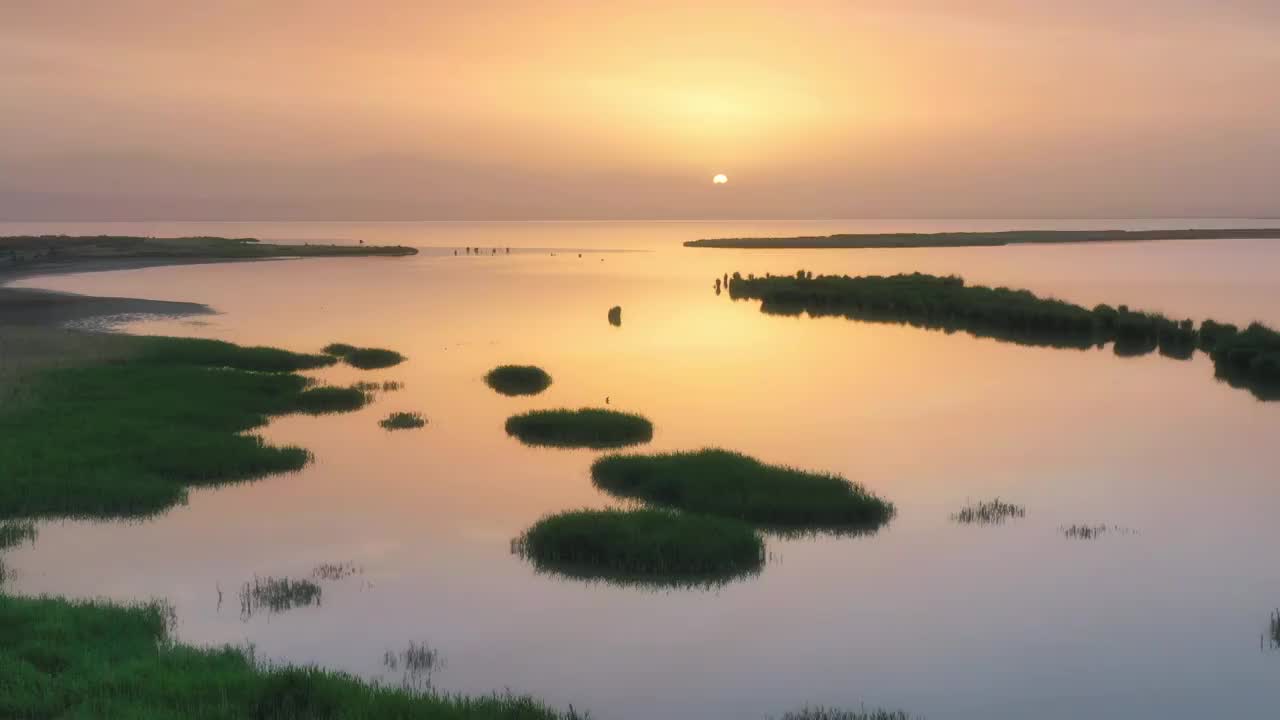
[{"x": 981, "y": 239}]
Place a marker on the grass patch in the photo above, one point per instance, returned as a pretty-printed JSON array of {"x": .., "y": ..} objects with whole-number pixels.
[
  {"x": 336, "y": 571},
  {"x": 828, "y": 713},
  {"x": 127, "y": 437},
  {"x": 989, "y": 512},
  {"x": 642, "y": 546},
  {"x": 402, "y": 421},
  {"x": 615, "y": 316},
  {"x": 373, "y": 358},
  {"x": 585, "y": 428},
  {"x": 326, "y": 400},
  {"x": 69, "y": 659},
  {"x": 728, "y": 484},
  {"x": 338, "y": 349},
  {"x": 277, "y": 595},
  {"x": 518, "y": 379}
]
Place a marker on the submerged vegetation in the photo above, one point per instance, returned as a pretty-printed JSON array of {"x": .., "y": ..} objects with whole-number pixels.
[
  {"x": 364, "y": 358},
  {"x": 125, "y": 438},
  {"x": 584, "y": 428},
  {"x": 1248, "y": 359},
  {"x": 990, "y": 512},
  {"x": 402, "y": 421},
  {"x": 69, "y": 659},
  {"x": 728, "y": 484},
  {"x": 973, "y": 239},
  {"x": 518, "y": 379},
  {"x": 277, "y": 595},
  {"x": 642, "y": 546}
]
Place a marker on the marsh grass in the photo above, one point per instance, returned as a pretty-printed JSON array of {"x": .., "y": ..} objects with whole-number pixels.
[
  {"x": 518, "y": 379},
  {"x": 1246, "y": 359},
  {"x": 126, "y": 437},
  {"x": 1273, "y": 633},
  {"x": 402, "y": 421},
  {"x": 989, "y": 512},
  {"x": 373, "y": 358},
  {"x": 72, "y": 659},
  {"x": 277, "y": 595},
  {"x": 649, "y": 547},
  {"x": 373, "y": 386},
  {"x": 828, "y": 713},
  {"x": 418, "y": 663},
  {"x": 336, "y": 571},
  {"x": 14, "y": 533},
  {"x": 338, "y": 349},
  {"x": 585, "y": 428},
  {"x": 326, "y": 400},
  {"x": 728, "y": 484},
  {"x": 1093, "y": 532}
]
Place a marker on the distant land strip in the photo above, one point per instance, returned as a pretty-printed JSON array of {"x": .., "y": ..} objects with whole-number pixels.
[
  {"x": 981, "y": 239},
  {"x": 24, "y": 254}
]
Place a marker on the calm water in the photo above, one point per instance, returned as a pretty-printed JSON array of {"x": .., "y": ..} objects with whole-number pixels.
[{"x": 1163, "y": 619}]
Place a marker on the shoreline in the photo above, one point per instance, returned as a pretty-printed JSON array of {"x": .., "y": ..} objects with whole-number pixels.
[{"x": 868, "y": 241}]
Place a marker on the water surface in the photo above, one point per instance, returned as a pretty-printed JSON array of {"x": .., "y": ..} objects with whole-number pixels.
[{"x": 1162, "y": 619}]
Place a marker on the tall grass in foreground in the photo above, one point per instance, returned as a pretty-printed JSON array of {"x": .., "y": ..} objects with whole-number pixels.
[
  {"x": 585, "y": 428},
  {"x": 655, "y": 547},
  {"x": 518, "y": 379},
  {"x": 66, "y": 659},
  {"x": 728, "y": 484},
  {"x": 126, "y": 438}
]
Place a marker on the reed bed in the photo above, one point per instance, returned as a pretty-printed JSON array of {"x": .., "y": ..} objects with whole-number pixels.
[
  {"x": 595, "y": 428},
  {"x": 728, "y": 484},
  {"x": 989, "y": 512},
  {"x": 642, "y": 546},
  {"x": 402, "y": 421},
  {"x": 829, "y": 713},
  {"x": 518, "y": 379}
]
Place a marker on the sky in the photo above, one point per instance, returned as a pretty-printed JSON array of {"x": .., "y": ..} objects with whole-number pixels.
[{"x": 579, "y": 109}]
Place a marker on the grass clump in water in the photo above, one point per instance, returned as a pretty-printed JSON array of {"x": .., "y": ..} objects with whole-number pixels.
[
  {"x": 325, "y": 400},
  {"x": 364, "y": 358},
  {"x": 990, "y": 512},
  {"x": 729, "y": 484},
  {"x": 91, "y": 659},
  {"x": 1274, "y": 631},
  {"x": 642, "y": 546},
  {"x": 402, "y": 421},
  {"x": 828, "y": 713},
  {"x": 126, "y": 437},
  {"x": 338, "y": 349},
  {"x": 277, "y": 595},
  {"x": 584, "y": 428},
  {"x": 518, "y": 379},
  {"x": 615, "y": 316}
]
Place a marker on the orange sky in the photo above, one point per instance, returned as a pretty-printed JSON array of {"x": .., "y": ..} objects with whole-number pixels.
[{"x": 578, "y": 109}]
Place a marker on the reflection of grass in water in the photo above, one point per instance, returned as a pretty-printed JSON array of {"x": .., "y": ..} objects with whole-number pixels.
[
  {"x": 76, "y": 659},
  {"x": 826, "y": 713},
  {"x": 585, "y": 428},
  {"x": 419, "y": 662},
  {"x": 728, "y": 484},
  {"x": 336, "y": 571},
  {"x": 402, "y": 421},
  {"x": 989, "y": 512},
  {"x": 16, "y": 532},
  {"x": 518, "y": 379},
  {"x": 642, "y": 547},
  {"x": 277, "y": 595}
]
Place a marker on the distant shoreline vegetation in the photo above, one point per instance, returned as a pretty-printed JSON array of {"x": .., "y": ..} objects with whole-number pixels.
[
  {"x": 32, "y": 252},
  {"x": 1247, "y": 359},
  {"x": 980, "y": 239}
]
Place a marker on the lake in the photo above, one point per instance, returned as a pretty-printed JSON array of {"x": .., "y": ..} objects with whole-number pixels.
[{"x": 1163, "y": 615}]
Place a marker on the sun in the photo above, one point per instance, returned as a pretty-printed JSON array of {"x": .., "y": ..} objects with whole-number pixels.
[{"x": 720, "y": 179}]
